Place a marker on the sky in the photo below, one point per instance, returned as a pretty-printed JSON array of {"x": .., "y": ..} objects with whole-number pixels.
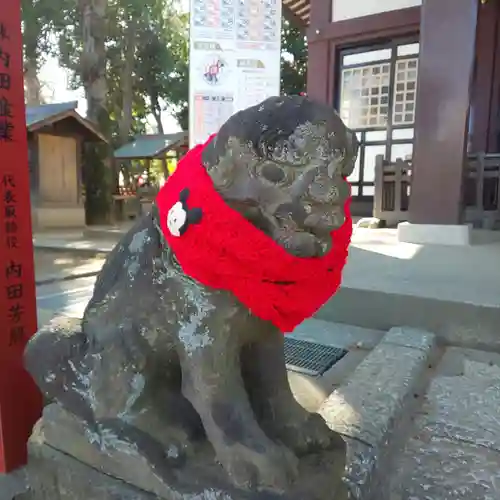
[{"x": 57, "y": 89}]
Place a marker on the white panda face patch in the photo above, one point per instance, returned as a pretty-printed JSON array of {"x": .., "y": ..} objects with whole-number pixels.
[
  {"x": 180, "y": 216},
  {"x": 176, "y": 219}
]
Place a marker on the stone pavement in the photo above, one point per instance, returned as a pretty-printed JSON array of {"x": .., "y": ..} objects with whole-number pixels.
[
  {"x": 73, "y": 242},
  {"x": 421, "y": 421},
  {"x": 453, "y": 451}
]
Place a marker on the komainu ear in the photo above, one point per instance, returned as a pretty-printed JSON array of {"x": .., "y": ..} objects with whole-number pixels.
[
  {"x": 184, "y": 195},
  {"x": 194, "y": 216}
]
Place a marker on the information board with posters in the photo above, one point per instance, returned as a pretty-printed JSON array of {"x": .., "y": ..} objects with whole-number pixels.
[
  {"x": 20, "y": 400},
  {"x": 234, "y": 60}
]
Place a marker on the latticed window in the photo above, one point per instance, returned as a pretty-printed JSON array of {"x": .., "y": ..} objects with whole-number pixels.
[
  {"x": 405, "y": 92},
  {"x": 377, "y": 99},
  {"x": 365, "y": 96}
]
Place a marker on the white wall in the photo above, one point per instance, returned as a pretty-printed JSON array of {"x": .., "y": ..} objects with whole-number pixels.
[{"x": 349, "y": 9}]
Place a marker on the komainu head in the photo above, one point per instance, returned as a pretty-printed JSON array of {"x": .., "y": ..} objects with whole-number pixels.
[{"x": 283, "y": 165}]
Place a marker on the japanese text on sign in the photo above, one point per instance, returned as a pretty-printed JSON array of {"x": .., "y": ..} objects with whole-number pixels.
[
  {"x": 20, "y": 400},
  {"x": 13, "y": 289},
  {"x": 6, "y": 123},
  {"x": 13, "y": 270}
]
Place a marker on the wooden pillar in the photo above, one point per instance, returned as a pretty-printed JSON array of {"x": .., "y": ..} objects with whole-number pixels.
[
  {"x": 483, "y": 92},
  {"x": 494, "y": 116},
  {"x": 447, "y": 49},
  {"x": 319, "y": 71},
  {"x": 20, "y": 400}
]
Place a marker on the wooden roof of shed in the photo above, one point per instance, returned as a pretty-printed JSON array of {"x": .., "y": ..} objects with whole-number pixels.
[
  {"x": 151, "y": 146},
  {"x": 38, "y": 117}
]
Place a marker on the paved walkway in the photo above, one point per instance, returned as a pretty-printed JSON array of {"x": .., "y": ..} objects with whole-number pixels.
[
  {"x": 74, "y": 242},
  {"x": 376, "y": 262},
  {"x": 51, "y": 266}
]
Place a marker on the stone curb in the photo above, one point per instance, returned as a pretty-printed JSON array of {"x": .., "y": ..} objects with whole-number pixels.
[
  {"x": 455, "y": 323},
  {"x": 370, "y": 407},
  {"x": 67, "y": 277},
  {"x": 88, "y": 252}
]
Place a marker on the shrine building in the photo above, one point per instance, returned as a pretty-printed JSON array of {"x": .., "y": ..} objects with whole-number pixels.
[{"x": 419, "y": 82}]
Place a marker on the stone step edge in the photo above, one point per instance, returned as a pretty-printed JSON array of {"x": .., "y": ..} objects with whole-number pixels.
[
  {"x": 342, "y": 335},
  {"x": 369, "y": 408},
  {"x": 456, "y": 323},
  {"x": 97, "y": 251}
]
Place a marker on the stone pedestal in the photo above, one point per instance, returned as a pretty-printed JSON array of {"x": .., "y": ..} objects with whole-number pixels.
[
  {"x": 64, "y": 465},
  {"x": 437, "y": 234}
]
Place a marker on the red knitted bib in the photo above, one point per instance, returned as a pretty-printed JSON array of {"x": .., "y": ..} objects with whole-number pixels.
[{"x": 218, "y": 247}]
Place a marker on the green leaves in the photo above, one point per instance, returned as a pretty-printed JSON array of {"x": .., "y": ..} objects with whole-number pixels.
[
  {"x": 293, "y": 59},
  {"x": 158, "y": 33},
  {"x": 163, "y": 53}
]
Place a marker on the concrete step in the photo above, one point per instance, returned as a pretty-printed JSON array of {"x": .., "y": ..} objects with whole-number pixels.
[
  {"x": 372, "y": 406},
  {"x": 312, "y": 391},
  {"x": 370, "y": 396},
  {"x": 453, "y": 447},
  {"x": 454, "y": 321}
]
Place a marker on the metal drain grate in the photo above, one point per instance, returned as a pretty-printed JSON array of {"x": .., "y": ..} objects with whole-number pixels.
[{"x": 311, "y": 358}]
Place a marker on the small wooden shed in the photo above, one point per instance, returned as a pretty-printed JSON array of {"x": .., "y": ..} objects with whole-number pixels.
[{"x": 56, "y": 133}]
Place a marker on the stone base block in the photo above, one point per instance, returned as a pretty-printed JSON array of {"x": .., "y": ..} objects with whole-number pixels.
[
  {"x": 65, "y": 464},
  {"x": 435, "y": 234},
  {"x": 55, "y": 217}
]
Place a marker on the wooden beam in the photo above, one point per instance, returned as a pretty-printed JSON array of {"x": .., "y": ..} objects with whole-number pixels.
[{"x": 294, "y": 19}]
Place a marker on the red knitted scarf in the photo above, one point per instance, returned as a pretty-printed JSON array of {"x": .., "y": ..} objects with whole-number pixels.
[{"x": 218, "y": 247}]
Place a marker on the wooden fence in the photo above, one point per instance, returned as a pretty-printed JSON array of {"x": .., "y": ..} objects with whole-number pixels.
[
  {"x": 481, "y": 197},
  {"x": 392, "y": 190},
  {"x": 481, "y": 191}
]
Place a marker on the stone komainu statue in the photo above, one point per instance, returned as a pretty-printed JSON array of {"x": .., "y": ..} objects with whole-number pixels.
[{"x": 175, "y": 379}]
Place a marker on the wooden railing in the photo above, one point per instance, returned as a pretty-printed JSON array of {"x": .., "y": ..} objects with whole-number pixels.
[
  {"x": 392, "y": 190},
  {"x": 481, "y": 190}
]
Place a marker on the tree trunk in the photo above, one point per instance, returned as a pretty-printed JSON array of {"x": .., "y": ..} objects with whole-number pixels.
[
  {"x": 94, "y": 57},
  {"x": 156, "y": 111},
  {"x": 127, "y": 87},
  {"x": 32, "y": 85},
  {"x": 93, "y": 73},
  {"x": 126, "y": 82}
]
